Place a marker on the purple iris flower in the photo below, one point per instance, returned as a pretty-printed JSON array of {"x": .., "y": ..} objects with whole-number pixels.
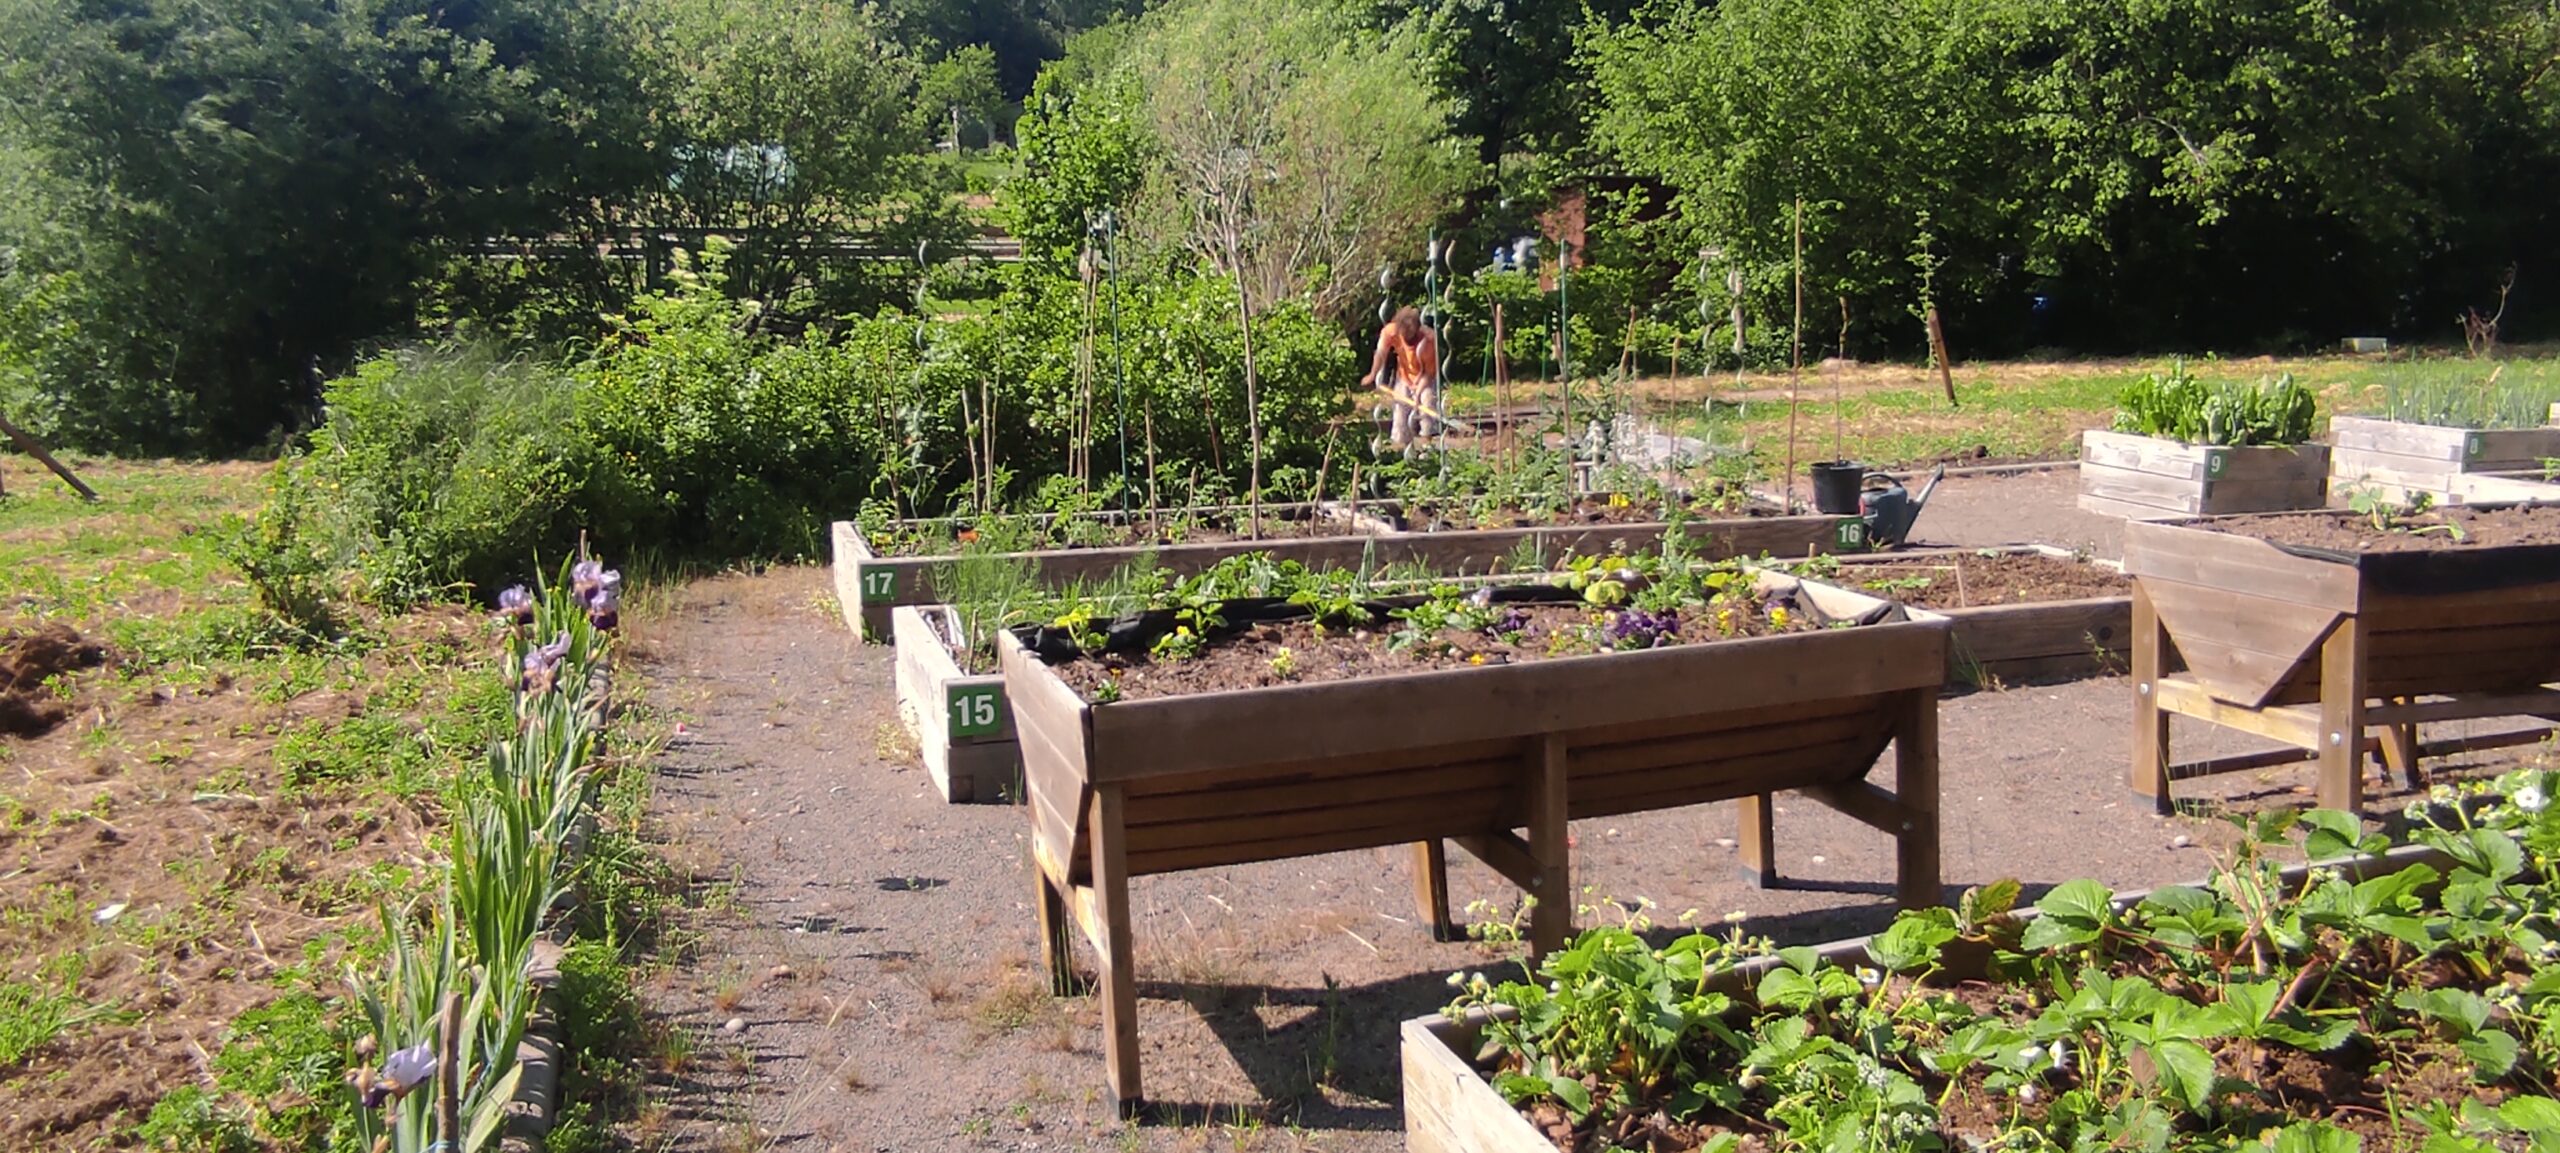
[
  {"x": 515, "y": 605},
  {"x": 598, "y": 590},
  {"x": 402, "y": 1072},
  {"x": 542, "y": 665}
]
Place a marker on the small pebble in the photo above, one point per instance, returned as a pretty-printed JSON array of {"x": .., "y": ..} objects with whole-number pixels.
[
  {"x": 1724, "y": 842},
  {"x": 1817, "y": 860},
  {"x": 734, "y": 1025},
  {"x": 780, "y": 973},
  {"x": 2181, "y": 841}
]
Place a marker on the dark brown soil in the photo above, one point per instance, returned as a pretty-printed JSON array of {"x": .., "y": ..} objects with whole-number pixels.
[
  {"x": 1966, "y": 581},
  {"x": 28, "y": 659},
  {"x": 2525, "y": 524},
  {"x": 1252, "y": 659},
  {"x": 1591, "y": 510},
  {"x": 153, "y": 838}
]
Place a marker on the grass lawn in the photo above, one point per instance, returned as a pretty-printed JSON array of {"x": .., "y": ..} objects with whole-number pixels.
[{"x": 1898, "y": 414}]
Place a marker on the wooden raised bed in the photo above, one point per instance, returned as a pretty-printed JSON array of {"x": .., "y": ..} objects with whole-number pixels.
[
  {"x": 868, "y": 585},
  {"x": 2398, "y": 461},
  {"x": 2503, "y": 487},
  {"x": 2028, "y": 641},
  {"x": 962, "y": 725},
  {"x": 1192, "y": 782},
  {"x": 1449, "y": 1107},
  {"x": 2313, "y": 649},
  {"x": 2149, "y": 478}
]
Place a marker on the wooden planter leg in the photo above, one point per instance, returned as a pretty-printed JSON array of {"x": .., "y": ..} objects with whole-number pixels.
[
  {"x": 2149, "y": 775},
  {"x": 1431, "y": 887},
  {"x": 2341, "y": 733},
  {"x": 2399, "y": 750},
  {"x": 1057, "y": 945},
  {"x": 1915, "y": 784},
  {"x": 1551, "y": 920},
  {"x": 1119, "y": 976},
  {"x": 1759, "y": 856}
]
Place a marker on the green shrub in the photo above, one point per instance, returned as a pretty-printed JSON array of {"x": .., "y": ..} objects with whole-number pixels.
[
  {"x": 2179, "y": 406},
  {"x": 448, "y": 465}
]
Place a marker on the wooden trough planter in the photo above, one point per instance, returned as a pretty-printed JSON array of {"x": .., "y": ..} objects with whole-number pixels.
[
  {"x": 869, "y": 586},
  {"x": 2313, "y": 649},
  {"x": 2150, "y": 478},
  {"x": 2399, "y": 461},
  {"x": 2058, "y": 640},
  {"x": 962, "y": 725},
  {"x": 1472, "y": 754},
  {"x": 1450, "y": 1107}
]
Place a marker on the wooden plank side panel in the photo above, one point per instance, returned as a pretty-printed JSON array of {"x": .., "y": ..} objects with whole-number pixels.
[
  {"x": 1448, "y": 1106},
  {"x": 2424, "y": 441},
  {"x": 1591, "y": 764},
  {"x": 1326, "y": 721},
  {"x": 1728, "y": 778},
  {"x": 1263, "y": 797},
  {"x": 2051, "y": 628},
  {"x": 2126, "y": 452},
  {"x": 1313, "y": 776},
  {"x": 2269, "y": 494},
  {"x": 2167, "y": 494},
  {"x": 2220, "y": 561},
  {"x": 1375, "y": 823}
]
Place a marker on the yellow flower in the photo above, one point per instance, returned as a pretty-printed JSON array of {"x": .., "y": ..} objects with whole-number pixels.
[
  {"x": 1778, "y": 616},
  {"x": 1476, "y": 659}
]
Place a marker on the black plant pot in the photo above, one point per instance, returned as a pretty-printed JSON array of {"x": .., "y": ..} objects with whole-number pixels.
[{"x": 1835, "y": 486}]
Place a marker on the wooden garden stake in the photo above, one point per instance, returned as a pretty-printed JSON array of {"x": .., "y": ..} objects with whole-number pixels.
[
  {"x": 449, "y": 1073},
  {"x": 1837, "y": 369},
  {"x": 1502, "y": 387},
  {"x": 1795, "y": 349},
  {"x": 1155, "y": 511},
  {"x": 31, "y": 447},
  {"x": 1938, "y": 349}
]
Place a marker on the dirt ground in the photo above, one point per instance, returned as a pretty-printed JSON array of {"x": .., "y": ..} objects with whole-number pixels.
[{"x": 872, "y": 985}]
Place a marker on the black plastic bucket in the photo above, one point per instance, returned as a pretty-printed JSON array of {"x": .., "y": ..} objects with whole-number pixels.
[{"x": 1835, "y": 486}]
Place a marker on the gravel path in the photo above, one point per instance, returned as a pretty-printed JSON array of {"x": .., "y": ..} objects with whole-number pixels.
[{"x": 877, "y": 960}]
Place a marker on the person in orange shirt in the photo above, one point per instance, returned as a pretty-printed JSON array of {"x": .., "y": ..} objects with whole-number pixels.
[{"x": 1407, "y": 364}]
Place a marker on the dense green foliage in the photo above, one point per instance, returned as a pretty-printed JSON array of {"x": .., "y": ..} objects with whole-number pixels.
[
  {"x": 2179, "y": 406},
  {"x": 693, "y": 429},
  {"x": 207, "y": 211}
]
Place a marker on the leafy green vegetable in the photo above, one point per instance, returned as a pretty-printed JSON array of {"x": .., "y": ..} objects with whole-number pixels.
[{"x": 2180, "y": 406}]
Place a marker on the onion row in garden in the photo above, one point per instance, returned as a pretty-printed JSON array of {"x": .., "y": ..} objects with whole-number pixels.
[
  {"x": 2302, "y": 1008},
  {"x": 509, "y": 855}
]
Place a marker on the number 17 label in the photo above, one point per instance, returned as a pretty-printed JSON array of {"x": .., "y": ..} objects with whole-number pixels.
[{"x": 879, "y": 586}]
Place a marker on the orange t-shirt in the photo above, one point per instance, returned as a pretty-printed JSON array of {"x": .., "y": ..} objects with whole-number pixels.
[{"x": 1417, "y": 363}]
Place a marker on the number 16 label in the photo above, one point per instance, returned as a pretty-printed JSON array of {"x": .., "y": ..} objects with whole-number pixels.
[{"x": 976, "y": 710}]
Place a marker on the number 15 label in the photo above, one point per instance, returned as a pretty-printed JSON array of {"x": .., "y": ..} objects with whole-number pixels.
[{"x": 976, "y": 711}]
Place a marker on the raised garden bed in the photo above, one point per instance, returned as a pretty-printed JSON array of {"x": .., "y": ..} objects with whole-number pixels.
[
  {"x": 2025, "y": 614},
  {"x": 2398, "y": 461},
  {"x": 2503, "y": 487},
  {"x": 962, "y": 725},
  {"x": 2150, "y": 478},
  {"x": 1166, "y": 778},
  {"x": 1738, "y": 1044},
  {"x": 2312, "y": 628},
  {"x": 869, "y": 585}
]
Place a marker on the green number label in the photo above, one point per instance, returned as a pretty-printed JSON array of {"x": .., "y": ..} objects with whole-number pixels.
[
  {"x": 879, "y": 586},
  {"x": 975, "y": 712},
  {"x": 2472, "y": 448},
  {"x": 2214, "y": 462},
  {"x": 1850, "y": 535}
]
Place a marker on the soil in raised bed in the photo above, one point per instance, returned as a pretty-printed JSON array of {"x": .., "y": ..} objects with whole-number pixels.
[
  {"x": 1252, "y": 659},
  {"x": 2524, "y": 524},
  {"x": 1136, "y": 531},
  {"x": 1596, "y": 509},
  {"x": 1978, "y": 581}
]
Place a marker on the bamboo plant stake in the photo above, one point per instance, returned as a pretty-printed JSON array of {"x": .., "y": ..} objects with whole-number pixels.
[
  {"x": 449, "y": 1073},
  {"x": 1795, "y": 362},
  {"x": 1839, "y": 366}
]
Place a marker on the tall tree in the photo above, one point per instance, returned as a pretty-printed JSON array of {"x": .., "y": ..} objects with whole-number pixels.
[{"x": 250, "y": 189}]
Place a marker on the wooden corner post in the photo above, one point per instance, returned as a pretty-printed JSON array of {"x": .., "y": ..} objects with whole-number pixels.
[
  {"x": 2341, "y": 734},
  {"x": 2149, "y": 774},
  {"x": 1431, "y": 887},
  {"x": 1110, "y": 836},
  {"x": 1917, "y": 874},
  {"x": 1551, "y": 920}
]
